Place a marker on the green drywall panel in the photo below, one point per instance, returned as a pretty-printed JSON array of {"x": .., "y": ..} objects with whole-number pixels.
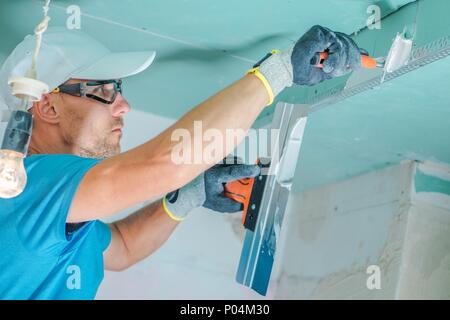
[
  {"x": 406, "y": 118},
  {"x": 429, "y": 183},
  {"x": 204, "y": 45}
]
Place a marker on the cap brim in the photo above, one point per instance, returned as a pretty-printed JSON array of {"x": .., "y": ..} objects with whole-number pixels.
[{"x": 116, "y": 65}]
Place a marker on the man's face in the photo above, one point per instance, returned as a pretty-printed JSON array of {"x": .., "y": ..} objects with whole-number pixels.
[{"x": 91, "y": 128}]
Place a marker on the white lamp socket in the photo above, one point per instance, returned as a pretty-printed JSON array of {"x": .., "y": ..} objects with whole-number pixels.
[{"x": 22, "y": 88}]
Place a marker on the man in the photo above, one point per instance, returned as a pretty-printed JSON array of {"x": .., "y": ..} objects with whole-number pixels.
[{"x": 52, "y": 242}]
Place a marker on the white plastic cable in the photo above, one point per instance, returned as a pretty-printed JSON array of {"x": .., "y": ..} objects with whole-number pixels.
[
  {"x": 38, "y": 31},
  {"x": 28, "y": 88}
]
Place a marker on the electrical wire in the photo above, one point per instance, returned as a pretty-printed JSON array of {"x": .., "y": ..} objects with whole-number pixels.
[{"x": 38, "y": 31}]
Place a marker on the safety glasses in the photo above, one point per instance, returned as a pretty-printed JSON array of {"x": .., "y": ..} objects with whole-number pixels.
[{"x": 104, "y": 91}]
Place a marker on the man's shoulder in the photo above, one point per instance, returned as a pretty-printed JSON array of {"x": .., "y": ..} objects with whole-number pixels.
[
  {"x": 50, "y": 156},
  {"x": 51, "y": 159},
  {"x": 56, "y": 166}
]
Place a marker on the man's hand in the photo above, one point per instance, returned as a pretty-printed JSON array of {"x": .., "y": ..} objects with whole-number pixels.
[
  {"x": 344, "y": 56},
  {"x": 294, "y": 64},
  {"x": 143, "y": 232},
  {"x": 207, "y": 190}
]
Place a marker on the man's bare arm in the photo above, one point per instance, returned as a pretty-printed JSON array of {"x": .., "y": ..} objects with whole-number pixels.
[
  {"x": 148, "y": 170},
  {"x": 138, "y": 236}
]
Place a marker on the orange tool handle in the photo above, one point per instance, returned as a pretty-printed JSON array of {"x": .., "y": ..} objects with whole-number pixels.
[
  {"x": 366, "y": 61},
  {"x": 240, "y": 191}
]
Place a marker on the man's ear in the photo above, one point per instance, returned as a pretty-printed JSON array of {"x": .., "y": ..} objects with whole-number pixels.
[{"x": 45, "y": 109}]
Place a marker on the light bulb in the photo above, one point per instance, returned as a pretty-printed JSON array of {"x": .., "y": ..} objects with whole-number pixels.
[{"x": 13, "y": 177}]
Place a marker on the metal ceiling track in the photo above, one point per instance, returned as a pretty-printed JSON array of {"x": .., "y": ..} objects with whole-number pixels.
[
  {"x": 420, "y": 58},
  {"x": 431, "y": 34},
  {"x": 429, "y": 26}
]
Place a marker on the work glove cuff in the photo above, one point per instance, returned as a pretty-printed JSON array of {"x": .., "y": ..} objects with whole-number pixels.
[
  {"x": 275, "y": 72},
  {"x": 179, "y": 203}
]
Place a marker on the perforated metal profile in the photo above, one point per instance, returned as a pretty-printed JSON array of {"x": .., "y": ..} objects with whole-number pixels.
[{"x": 431, "y": 52}]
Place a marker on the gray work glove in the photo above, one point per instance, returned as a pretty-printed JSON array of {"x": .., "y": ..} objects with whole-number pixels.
[
  {"x": 294, "y": 65},
  {"x": 207, "y": 190}
]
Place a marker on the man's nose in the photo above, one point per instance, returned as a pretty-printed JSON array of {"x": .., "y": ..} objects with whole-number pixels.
[{"x": 120, "y": 106}]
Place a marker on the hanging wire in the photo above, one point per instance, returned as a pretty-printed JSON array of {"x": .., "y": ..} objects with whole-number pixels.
[{"x": 38, "y": 31}]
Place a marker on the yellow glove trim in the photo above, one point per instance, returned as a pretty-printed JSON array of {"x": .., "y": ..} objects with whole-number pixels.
[
  {"x": 266, "y": 84},
  {"x": 170, "y": 214}
]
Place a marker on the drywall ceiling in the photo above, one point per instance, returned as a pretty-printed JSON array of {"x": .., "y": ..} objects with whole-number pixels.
[
  {"x": 205, "y": 45},
  {"x": 201, "y": 45},
  {"x": 407, "y": 118}
]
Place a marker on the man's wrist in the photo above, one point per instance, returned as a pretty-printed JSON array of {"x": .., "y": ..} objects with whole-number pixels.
[
  {"x": 260, "y": 76},
  {"x": 277, "y": 70},
  {"x": 171, "y": 214}
]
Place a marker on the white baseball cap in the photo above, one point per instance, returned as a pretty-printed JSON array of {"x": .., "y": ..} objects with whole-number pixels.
[{"x": 67, "y": 54}]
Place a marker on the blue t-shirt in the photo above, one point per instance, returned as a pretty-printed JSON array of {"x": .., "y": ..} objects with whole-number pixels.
[{"x": 39, "y": 257}]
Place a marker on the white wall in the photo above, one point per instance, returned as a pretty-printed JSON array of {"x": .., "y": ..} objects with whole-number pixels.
[
  {"x": 425, "y": 272},
  {"x": 333, "y": 233}
]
